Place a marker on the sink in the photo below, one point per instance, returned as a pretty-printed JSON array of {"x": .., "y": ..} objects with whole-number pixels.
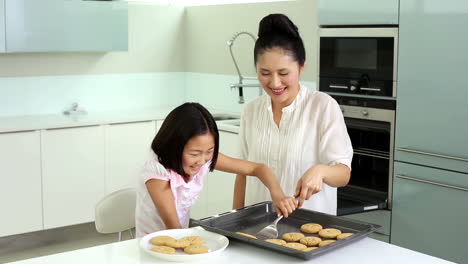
[{"x": 225, "y": 116}]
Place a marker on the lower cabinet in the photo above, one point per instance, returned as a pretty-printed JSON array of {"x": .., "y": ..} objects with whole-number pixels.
[
  {"x": 127, "y": 148},
  {"x": 217, "y": 194},
  {"x": 378, "y": 217},
  {"x": 20, "y": 183},
  {"x": 72, "y": 174},
  {"x": 430, "y": 211}
]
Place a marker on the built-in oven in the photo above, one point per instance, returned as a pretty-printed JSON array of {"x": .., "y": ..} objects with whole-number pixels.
[
  {"x": 371, "y": 125},
  {"x": 358, "y": 60}
]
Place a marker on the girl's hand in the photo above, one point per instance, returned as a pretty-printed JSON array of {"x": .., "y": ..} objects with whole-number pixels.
[
  {"x": 310, "y": 183},
  {"x": 284, "y": 205}
]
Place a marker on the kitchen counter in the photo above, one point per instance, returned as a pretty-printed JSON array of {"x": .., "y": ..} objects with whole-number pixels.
[
  {"x": 54, "y": 121},
  {"x": 364, "y": 251}
]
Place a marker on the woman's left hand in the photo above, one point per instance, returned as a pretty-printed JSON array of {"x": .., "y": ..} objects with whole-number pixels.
[{"x": 310, "y": 183}]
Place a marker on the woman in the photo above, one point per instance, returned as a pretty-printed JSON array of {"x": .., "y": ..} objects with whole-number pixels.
[{"x": 297, "y": 132}]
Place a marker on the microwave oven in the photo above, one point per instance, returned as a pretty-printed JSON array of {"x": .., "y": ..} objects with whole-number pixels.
[{"x": 360, "y": 61}]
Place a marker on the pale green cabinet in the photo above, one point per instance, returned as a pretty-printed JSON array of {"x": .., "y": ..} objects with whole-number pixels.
[
  {"x": 378, "y": 217},
  {"x": 432, "y": 106},
  {"x": 65, "y": 25},
  {"x": 2, "y": 26},
  {"x": 358, "y": 12},
  {"x": 430, "y": 211}
]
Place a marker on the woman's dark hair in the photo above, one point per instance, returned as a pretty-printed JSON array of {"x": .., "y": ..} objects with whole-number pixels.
[
  {"x": 183, "y": 123},
  {"x": 278, "y": 31}
]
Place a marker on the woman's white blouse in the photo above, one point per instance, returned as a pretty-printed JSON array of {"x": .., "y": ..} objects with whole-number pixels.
[{"x": 311, "y": 131}]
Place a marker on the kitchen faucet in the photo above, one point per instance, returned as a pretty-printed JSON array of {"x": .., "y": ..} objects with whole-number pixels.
[{"x": 241, "y": 85}]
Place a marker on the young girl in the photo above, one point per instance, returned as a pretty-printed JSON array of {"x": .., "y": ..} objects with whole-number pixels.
[{"x": 184, "y": 150}]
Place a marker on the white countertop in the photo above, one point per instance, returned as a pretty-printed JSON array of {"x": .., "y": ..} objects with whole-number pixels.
[
  {"x": 52, "y": 121},
  {"x": 364, "y": 251}
]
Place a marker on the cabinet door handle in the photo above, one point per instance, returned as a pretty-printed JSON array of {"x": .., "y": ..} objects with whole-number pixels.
[
  {"x": 433, "y": 183},
  {"x": 431, "y": 154},
  {"x": 334, "y": 86},
  {"x": 370, "y": 89}
]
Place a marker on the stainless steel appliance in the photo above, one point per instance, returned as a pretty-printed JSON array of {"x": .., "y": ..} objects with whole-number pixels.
[
  {"x": 358, "y": 67},
  {"x": 359, "y": 60}
]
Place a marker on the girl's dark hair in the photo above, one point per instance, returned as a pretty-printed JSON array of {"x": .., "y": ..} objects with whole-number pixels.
[
  {"x": 183, "y": 123},
  {"x": 277, "y": 30}
]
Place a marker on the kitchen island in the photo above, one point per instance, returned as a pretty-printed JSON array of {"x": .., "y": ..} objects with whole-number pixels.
[{"x": 364, "y": 251}]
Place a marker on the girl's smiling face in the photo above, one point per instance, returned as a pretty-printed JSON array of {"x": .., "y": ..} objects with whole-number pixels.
[
  {"x": 278, "y": 73},
  {"x": 198, "y": 151}
]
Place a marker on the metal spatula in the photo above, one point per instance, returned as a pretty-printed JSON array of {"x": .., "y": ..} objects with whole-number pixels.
[{"x": 270, "y": 231}]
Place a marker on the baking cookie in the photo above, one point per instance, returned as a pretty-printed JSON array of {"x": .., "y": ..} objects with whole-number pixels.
[
  {"x": 344, "y": 235},
  {"x": 311, "y": 228},
  {"x": 325, "y": 242},
  {"x": 295, "y": 245},
  {"x": 161, "y": 240},
  {"x": 309, "y": 249},
  {"x": 178, "y": 243},
  {"x": 329, "y": 233},
  {"x": 276, "y": 241},
  {"x": 310, "y": 241},
  {"x": 164, "y": 250},
  {"x": 196, "y": 249},
  {"x": 292, "y": 237},
  {"x": 247, "y": 235},
  {"x": 194, "y": 240}
]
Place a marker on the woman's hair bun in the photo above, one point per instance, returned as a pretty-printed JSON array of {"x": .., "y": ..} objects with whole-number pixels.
[{"x": 277, "y": 24}]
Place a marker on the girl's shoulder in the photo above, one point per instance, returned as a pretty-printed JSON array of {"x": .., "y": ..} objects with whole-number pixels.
[{"x": 154, "y": 169}]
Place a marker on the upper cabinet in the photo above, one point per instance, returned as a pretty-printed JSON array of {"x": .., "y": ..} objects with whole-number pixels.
[
  {"x": 358, "y": 12},
  {"x": 2, "y": 26},
  {"x": 64, "y": 25}
]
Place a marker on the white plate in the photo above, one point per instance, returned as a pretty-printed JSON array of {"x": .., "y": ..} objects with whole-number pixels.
[{"x": 215, "y": 242}]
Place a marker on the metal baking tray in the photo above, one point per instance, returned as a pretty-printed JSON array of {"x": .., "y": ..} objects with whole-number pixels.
[{"x": 252, "y": 219}]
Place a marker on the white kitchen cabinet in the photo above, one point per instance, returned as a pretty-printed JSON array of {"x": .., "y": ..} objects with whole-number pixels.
[
  {"x": 217, "y": 194},
  {"x": 159, "y": 124},
  {"x": 65, "y": 25},
  {"x": 127, "y": 148},
  {"x": 20, "y": 183},
  {"x": 72, "y": 174},
  {"x": 2, "y": 26}
]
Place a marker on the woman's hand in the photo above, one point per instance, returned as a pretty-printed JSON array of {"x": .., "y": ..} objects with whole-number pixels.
[
  {"x": 284, "y": 205},
  {"x": 310, "y": 183}
]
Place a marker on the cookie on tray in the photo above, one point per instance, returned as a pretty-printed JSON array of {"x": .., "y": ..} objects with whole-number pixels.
[
  {"x": 294, "y": 245},
  {"x": 247, "y": 235},
  {"x": 344, "y": 235},
  {"x": 164, "y": 250},
  {"x": 329, "y": 233},
  {"x": 196, "y": 249},
  {"x": 292, "y": 237},
  {"x": 161, "y": 240},
  {"x": 310, "y": 241},
  {"x": 326, "y": 242},
  {"x": 276, "y": 241},
  {"x": 309, "y": 249},
  {"x": 311, "y": 228}
]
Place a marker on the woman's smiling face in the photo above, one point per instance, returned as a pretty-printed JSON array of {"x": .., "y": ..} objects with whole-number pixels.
[{"x": 278, "y": 73}]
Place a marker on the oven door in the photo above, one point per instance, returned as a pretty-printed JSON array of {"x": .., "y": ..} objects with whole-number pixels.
[
  {"x": 361, "y": 61},
  {"x": 368, "y": 188}
]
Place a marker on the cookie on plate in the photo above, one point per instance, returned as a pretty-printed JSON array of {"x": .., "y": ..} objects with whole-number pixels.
[
  {"x": 196, "y": 249},
  {"x": 247, "y": 235},
  {"x": 194, "y": 240},
  {"x": 311, "y": 228},
  {"x": 276, "y": 241},
  {"x": 164, "y": 250},
  {"x": 329, "y": 233},
  {"x": 292, "y": 237},
  {"x": 178, "y": 243},
  {"x": 161, "y": 240},
  {"x": 310, "y": 241},
  {"x": 344, "y": 235},
  {"x": 309, "y": 249},
  {"x": 325, "y": 242},
  {"x": 295, "y": 245}
]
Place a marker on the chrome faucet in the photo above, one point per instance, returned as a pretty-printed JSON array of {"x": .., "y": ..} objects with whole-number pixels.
[{"x": 241, "y": 85}]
